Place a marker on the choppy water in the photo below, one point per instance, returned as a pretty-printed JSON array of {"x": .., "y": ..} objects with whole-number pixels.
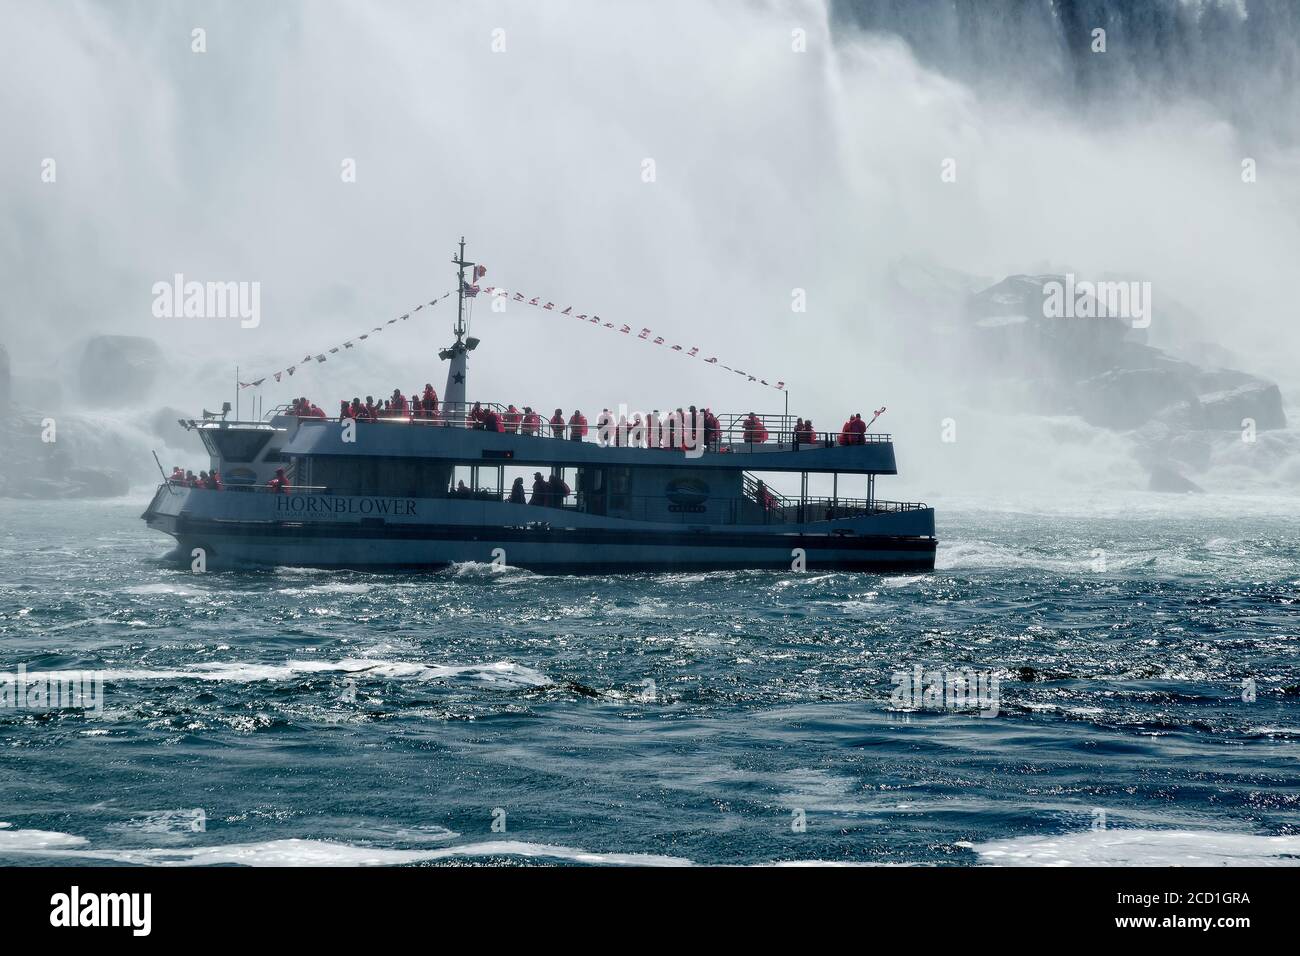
[{"x": 321, "y": 717}]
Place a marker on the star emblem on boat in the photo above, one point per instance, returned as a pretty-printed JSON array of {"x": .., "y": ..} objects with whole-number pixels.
[{"x": 460, "y": 378}]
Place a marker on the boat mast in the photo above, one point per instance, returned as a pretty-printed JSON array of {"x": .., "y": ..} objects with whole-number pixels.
[{"x": 458, "y": 353}]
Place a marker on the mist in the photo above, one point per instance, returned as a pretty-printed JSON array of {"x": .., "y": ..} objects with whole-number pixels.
[{"x": 776, "y": 170}]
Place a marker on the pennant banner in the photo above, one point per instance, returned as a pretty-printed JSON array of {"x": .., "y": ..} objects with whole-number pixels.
[
  {"x": 645, "y": 335},
  {"x": 350, "y": 343}
]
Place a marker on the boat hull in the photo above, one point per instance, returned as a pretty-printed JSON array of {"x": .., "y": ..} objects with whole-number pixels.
[{"x": 229, "y": 541}]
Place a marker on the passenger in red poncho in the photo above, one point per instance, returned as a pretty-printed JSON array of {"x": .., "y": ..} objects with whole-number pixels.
[
  {"x": 712, "y": 429},
  {"x": 557, "y": 424},
  {"x": 280, "y": 483},
  {"x": 755, "y": 431},
  {"x": 858, "y": 428},
  {"x": 511, "y": 419},
  {"x": 532, "y": 421},
  {"x": 397, "y": 404},
  {"x": 577, "y": 426}
]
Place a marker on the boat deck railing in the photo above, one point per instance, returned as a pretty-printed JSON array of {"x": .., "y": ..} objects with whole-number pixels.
[{"x": 736, "y": 431}]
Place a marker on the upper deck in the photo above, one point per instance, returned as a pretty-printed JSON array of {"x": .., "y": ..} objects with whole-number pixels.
[{"x": 450, "y": 439}]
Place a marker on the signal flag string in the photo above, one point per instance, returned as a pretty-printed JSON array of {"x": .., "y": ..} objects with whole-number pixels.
[
  {"x": 350, "y": 343},
  {"x": 472, "y": 291},
  {"x": 644, "y": 335}
]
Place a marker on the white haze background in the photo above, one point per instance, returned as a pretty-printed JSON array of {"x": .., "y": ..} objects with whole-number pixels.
[{"x": 776, "y": 170}]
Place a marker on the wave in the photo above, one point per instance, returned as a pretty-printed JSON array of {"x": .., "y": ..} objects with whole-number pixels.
[
  {"x": 301, "y": 852},
  {"x": 485, "y": 569},
  {"x": 1144, "y": 848},
  {"x": 500, "y": 673}
]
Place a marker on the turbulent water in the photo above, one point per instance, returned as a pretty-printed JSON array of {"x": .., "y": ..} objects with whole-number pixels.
[{"x": 316, "y": 717}]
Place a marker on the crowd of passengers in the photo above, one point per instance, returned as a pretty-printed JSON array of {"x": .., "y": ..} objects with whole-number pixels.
[{"x": 675, "y": 432}]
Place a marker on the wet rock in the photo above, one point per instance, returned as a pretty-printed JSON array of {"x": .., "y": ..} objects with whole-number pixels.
[
  {"x": 1126, "y": 398},
  {"x": 1258, "y": 400},
  {"x": 1167, "y": 478},
  {"x": 118, "y": 370}
]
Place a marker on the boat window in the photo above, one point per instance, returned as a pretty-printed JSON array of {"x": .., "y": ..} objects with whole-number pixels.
[
  {"x": 389, "y": 477},
  {"x": 231, "y": 444}
]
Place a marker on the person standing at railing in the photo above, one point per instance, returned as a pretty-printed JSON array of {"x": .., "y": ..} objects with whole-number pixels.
[
  {"x": 517, "y": 492},
  {"x": 556, "y": 491},
  {"x": 858, "y": 428},
  {"x": 492, "y": 421},
  {"x": 532, "y": 424},
  {"x": 754, "y": 431},
  {"x": 804, "y": 433},
  {"x": 511, "y": 420},
  {"x": 577, "y": 426},
  {"x": 430, "y": 402},
  {"x": 846, "y": 432},
  {"x": 539, "y": 489},
  {"x": 557, "y": 424},
  {"x": 280, "y": 483},
  {"x": 712, "y": 429},
  {"x": 677, "y": 435}
]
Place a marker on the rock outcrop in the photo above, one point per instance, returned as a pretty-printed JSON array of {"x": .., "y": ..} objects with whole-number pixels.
[
  {"x": 118, "y": 370},
  {"x": 1100, "y": 369}
]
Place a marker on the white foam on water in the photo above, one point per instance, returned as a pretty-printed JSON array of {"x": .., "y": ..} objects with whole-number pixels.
[
  {"x": 901, "y": 581},
  {"x": 1144, "y": 848},
  {"x": 35, "y": 841},
  {"x": 982, "y": 555},
  {"x": 506, "y": 673},
  {"x": 297, "y": 852},
  {"x": 485, "y": 569},
  {"x": 159, "y": 587},
  {"x": 335, "y": 587}
]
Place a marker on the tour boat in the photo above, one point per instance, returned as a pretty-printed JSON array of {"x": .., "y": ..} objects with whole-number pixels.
[{"x": 412, "y": 491}]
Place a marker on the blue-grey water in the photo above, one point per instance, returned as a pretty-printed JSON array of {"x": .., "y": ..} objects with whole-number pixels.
[{"x": 728, "y": 718}]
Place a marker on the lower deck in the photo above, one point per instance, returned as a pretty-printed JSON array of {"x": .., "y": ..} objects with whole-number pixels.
[{"x": 259, "y": 528}]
